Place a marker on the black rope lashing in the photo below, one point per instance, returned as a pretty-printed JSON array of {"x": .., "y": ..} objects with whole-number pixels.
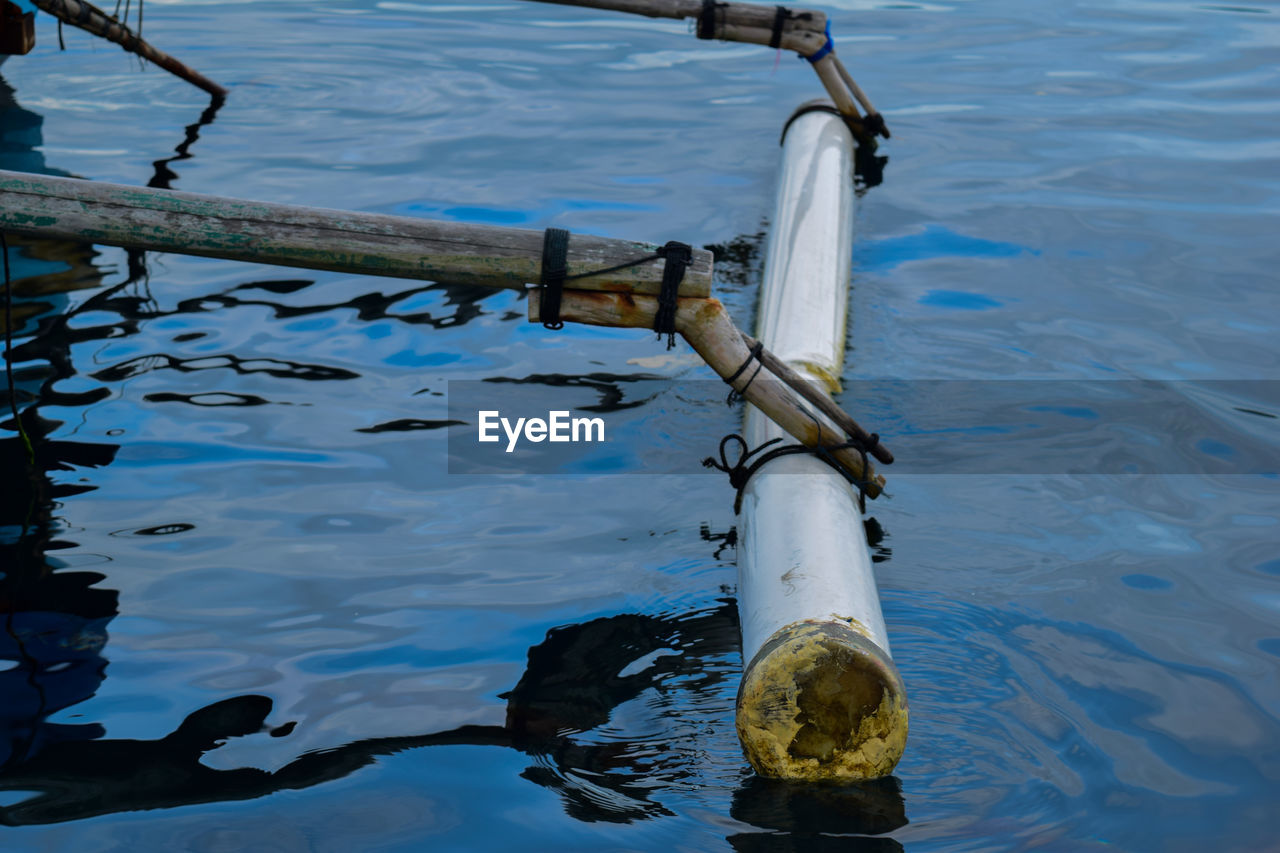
[
  {"x": 678, "y": 256},
  {"x": 751, "y": 461},
  {"x": 711, "y": 18},
  {"x": 863, "y": 448},
  {"x": 779, "y": 21},
  {"x": 555, "y": 254},
  {"x": 752, "y": 355},
  {"x": 873, "y": 124}
]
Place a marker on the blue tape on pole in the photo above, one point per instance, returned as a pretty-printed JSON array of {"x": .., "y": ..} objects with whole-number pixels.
[{"x": 825, "y": 49}]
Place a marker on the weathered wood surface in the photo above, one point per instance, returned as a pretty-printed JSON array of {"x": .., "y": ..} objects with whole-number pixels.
[
  {"x": 804, "y": 31},
  {"x": 856, "y": 90},
  {"x": 827, "y": 72},
  {"x": 317, "y": 238},
  {"x": 91, "y": 19},
  {"x": 706, "y": 325}
]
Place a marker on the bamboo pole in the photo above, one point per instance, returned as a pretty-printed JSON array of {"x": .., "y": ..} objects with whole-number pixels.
[
  {"x": 317, "y": 238},
  {"x": 706, "y": 325},
  {"x": 820, "y": 695},
  {"x": 90, "y": 18},
  {"x": 827, "y": 72}
]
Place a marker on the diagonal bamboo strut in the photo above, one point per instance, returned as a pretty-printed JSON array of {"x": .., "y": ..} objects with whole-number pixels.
[
  {"x": 801, "y": 386},
  {"x": 90, "y": 18},
  {"x": 706, "y": 325},
  {"x": 803, "y": 31}
]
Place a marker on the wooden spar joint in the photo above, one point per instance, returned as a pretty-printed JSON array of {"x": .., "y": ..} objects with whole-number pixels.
[
  {"x": 805, "y": 31},
  {"x": 802, "y": 386},
  {"x": 706, "y": 325}
]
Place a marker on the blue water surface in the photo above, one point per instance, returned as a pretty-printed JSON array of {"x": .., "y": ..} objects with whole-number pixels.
[{"x": 247, "y": 607}]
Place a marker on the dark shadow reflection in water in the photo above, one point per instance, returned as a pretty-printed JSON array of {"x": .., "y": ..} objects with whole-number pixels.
[
  {"x": 164, "y": 176},
  {"x": 573, "y": 682},
  {"x": 818, "y": 817},
  {"x": 54, "y": 622}
]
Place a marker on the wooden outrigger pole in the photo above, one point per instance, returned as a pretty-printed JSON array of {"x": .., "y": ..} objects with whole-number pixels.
[
  {"x": 608, "y": 282},
  {"x": 805, "y": 31},
  {"x": 90, "y": 18}
]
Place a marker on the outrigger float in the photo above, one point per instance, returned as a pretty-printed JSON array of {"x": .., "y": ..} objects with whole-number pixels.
[{"x": 820, "y": 697}]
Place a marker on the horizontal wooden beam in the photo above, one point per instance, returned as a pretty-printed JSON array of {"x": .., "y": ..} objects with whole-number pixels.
[
  {"x": 319, "y": 238},
  {"x": 801, "y": 30}
]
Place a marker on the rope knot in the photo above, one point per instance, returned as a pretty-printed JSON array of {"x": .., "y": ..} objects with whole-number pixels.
[{"x": 750, "y": 461}]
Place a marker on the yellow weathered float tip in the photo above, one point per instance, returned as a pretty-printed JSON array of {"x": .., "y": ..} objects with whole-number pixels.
[{"x": 821, "y": 702}]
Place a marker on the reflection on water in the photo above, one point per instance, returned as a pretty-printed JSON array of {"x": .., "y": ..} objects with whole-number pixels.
[
  {"x": 573, "y": 681},
  {"x": 55, "y": 622},
  {"x": 818, "y": 817},
  {"x": 164, "y": 175}
]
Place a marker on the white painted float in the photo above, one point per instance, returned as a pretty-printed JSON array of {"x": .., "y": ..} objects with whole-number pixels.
[{"x": 820, "y": 696}]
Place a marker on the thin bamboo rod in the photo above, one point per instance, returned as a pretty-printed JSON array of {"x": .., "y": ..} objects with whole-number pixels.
[
  {"x": 854, "y": 89},
  {"x": 826, "y": 70},
  {"x": 317, "y": 238},
  {"x": 90, "y": 18},
  {"x": 706, "y": 325}
]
